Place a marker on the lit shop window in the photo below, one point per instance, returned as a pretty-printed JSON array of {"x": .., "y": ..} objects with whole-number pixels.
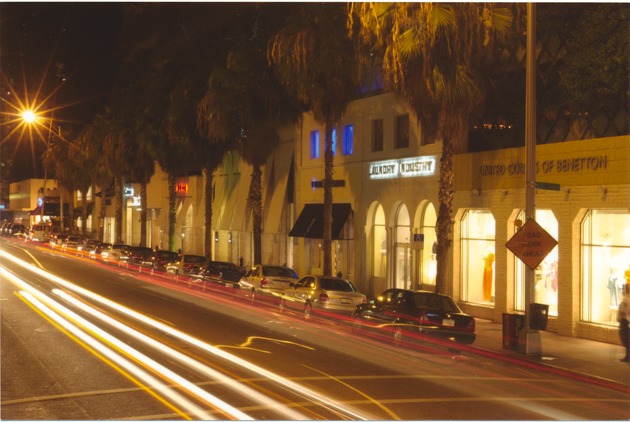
[
  {"x": 348, "y": 140},
  {"x": 380, "y": 244},
  {"x": 315, "y": 144},
  {"x": 605, "y": 262},
  {"x": 334, "y": 141},
  {"x": 477, "y": 252},
  {"x": 546, "y": 274}
]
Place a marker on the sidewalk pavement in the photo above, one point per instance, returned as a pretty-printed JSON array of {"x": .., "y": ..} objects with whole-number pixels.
[{"x": 581, "y": 358}]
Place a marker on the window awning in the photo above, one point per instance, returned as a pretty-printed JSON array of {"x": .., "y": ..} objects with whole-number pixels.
[{"x": 310, "y": 222}]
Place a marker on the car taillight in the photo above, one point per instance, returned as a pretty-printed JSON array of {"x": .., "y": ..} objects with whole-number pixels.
[
  {"x": 263, "y": 282},
  {"x": 323, "y": 297}
]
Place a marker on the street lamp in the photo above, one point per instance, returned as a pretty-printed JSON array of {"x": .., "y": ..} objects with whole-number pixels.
[{"x": 29, "y": 116}]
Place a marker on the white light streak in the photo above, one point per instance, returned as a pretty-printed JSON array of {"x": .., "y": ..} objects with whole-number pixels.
[{"x": 286, "y": 383}]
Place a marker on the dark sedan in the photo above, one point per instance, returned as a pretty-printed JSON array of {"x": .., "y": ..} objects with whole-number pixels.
[
  {"x": 401, "y": 311},
  {"x": 159, "y": 259},
  {"x": 220, "y": 272}
]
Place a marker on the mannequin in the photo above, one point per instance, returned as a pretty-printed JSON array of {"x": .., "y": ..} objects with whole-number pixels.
[{"x": 488, "y": 276}]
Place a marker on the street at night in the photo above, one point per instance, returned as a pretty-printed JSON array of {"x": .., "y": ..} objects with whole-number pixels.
[{"x": 82, "y": 339}]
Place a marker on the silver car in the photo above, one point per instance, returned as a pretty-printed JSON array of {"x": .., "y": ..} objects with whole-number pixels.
[
  {"x": 266, "y": 279},
  {"x": 322, "y": 294}
]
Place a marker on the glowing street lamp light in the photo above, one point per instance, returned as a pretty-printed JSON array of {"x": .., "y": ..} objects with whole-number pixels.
[{"x": 29, "y": 116}]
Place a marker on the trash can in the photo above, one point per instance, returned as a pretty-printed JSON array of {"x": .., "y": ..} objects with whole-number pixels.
[
  {"x": 539, "y": 315},
  {"x": 512, "y": 326}
]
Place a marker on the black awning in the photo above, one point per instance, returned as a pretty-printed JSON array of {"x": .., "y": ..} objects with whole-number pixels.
[
  {"x": 50, "y": 209},
  {"x": 310, "y": 222}
]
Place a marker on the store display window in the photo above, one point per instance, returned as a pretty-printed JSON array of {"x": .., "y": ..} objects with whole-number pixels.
[
  {"x": 380, "y": 244},
  {"x": 545, "y": 275},
  {"x": 605, "y": 251},
  {"x": 477, "y": 252}
]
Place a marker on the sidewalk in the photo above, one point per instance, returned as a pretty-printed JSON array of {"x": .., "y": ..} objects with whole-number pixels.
[{"x": 580, "y": 357}]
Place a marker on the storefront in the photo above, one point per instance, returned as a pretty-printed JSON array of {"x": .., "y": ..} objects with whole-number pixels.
[{"x": 582, "y": 201}]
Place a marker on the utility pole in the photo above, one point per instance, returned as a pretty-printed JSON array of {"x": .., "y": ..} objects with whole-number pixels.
[{"x": 529, "y": 341}]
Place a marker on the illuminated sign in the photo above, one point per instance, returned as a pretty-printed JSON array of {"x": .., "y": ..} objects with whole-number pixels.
[
  {"x": 181, "y": 187},
  {"x": 406, "y": 167},
  {"x": 128, "y": 191}
]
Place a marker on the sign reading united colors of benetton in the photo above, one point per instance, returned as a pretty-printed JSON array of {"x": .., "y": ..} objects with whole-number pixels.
[
  {"x": 531, "y": 244},
  {"x": 405, "y": 167}
]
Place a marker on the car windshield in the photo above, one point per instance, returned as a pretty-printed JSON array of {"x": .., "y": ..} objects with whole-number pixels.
[
  {"x": 336, "y": 284},
  {"x": 279, "y": 272},
  {"x": 433, "y": 301},
  {"x": 194, "y": 259}
]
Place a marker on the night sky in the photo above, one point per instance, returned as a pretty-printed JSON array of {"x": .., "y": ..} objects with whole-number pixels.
[{"x": 34, "y": 39}]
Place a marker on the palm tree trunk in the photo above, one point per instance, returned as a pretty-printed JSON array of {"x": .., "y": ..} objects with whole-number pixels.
[
  {"x": 172, "y": 211},
  {"x": 118, "y": 194},
  {"x": 444, "y": 223},
  {"x": 328, "y": 200},
  {"x": 256, "y": 201},
  {"x": 143, "y": 214},
  {"x": 208, "y": 222},
  {"x": 84, "y": 213}
]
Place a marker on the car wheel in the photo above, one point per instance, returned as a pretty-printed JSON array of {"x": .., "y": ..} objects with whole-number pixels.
[
  {"x": 283, "y": 304},
  {"x": 308, "y": 309}
]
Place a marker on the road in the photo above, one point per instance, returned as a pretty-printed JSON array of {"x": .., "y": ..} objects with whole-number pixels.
[{"x": 86, "y": 340}]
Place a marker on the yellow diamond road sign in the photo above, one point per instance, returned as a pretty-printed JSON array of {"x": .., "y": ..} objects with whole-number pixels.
[{"x": 531, "y": 243}]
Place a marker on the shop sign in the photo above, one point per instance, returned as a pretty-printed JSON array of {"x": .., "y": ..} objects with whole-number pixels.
[
  {"x": 128, "y": 191},
  {"x": 531, "y": 244},
  {"x": 406, "y": 167},
  {"x": 335, "y": 184},
  {"x": 181, "y": 187},
  {"x": 562, "y": 166}
]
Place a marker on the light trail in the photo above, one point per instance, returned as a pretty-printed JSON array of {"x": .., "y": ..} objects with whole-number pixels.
[
  {"x": 323, "y": 400},
  {"x": 46, "y": 305},
  {"x": 186, "y": 360}
]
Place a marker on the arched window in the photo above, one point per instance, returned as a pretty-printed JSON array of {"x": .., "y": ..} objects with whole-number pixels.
[{"x": 402, "y": 277}]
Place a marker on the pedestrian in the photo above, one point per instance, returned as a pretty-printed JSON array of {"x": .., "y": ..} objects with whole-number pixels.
[{"x": 623, "y": 317}]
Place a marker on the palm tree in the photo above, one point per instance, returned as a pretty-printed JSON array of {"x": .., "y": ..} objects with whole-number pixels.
[
  {"x": 314, "y": 59},
  {"x": 244, "y": 105},
  {"x": 434, "y": 56}
]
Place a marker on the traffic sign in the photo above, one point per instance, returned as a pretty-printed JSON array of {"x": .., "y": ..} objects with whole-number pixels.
[{"x": 531, "y": 244}]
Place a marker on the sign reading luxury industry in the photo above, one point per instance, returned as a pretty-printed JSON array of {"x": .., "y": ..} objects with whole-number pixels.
[{"x": 405, "y": 167}]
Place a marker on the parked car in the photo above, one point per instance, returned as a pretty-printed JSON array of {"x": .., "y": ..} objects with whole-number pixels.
[
  {"x": 113, "y": 253},
  {"x": 321, "y": 293},
  {"x": 159, "y": 259},
  {"x": 401, "y": 311},
  {"x": 98, "y": 250},
  {"x": 89, "y": 245},
  {"x": 266, "y": 279},
  {"x": 72, "y": 242},
  {"x": 186, "y": 264},
  {"x": 57, "y": 239},
  {"x": 220, "y": 272},
  {"x": 17, "y": 230},
  {"x": 137, "y": 255}
]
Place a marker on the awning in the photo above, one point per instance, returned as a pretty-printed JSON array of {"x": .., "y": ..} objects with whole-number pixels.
[
  {"x": 310, "y": 222},
  {"x": 51, "y": 210}
]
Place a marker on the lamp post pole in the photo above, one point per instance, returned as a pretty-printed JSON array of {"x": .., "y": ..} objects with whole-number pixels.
[{"x": 529, "y": 340}]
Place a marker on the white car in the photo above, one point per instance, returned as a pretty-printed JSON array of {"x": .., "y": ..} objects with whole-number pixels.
[
  {"x": 322, "y": 294},
  {"x": 266, "y": 280}
]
